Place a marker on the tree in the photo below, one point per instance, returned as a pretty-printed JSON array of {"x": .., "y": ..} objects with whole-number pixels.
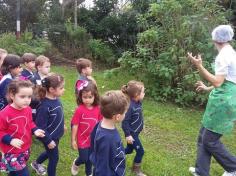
[{"x": 29, "y": 13}]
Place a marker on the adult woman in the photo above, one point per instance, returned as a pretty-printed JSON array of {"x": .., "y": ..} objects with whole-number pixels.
[{"x": 220, "y": 112}]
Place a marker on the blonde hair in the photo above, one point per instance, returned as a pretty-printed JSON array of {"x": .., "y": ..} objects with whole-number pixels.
[
  {"x": 3, "y": 51},
  {"x": 132, "y": 88},
  {"x": 40, "y": 60}
]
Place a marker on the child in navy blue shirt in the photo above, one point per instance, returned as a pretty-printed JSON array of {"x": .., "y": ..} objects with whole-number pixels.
[
  {"x": 108, "y": 155},
  {"x": 11, "y": 68},
  {"x": 133, "y": 123},
  {"x": 3, "y": 54},
  {"x": 50, "y": 118},
  {"x": 29, "y": 66},
  {"x": 84, "y": 68},
  {"x": 42, "y": 66}
]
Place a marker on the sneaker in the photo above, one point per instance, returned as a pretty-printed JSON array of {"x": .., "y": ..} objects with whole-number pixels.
[
  {"x": 229, "y": 173},
  {"x": 192, "y": 170},
  {"x": 39, "y": 168},
  {"x": 74, "y": 168}
]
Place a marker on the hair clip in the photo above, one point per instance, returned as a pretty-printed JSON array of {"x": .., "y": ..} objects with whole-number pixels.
[
  {"x": 44, "y": 82},
  {"x": 82, "y": 84}
]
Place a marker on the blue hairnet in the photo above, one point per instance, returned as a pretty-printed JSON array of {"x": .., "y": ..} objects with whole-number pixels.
[{"x": 222, "y": 33}]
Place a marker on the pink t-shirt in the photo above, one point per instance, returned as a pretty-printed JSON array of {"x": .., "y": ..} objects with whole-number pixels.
[
  {"x": 18, "y": 124},
  {"x": 86, "y": 119}
]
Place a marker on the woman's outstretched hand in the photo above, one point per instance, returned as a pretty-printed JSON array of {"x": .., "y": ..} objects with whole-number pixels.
[
  {"x": 200, "y": 86},
  {"x": 196, "y": 60}
]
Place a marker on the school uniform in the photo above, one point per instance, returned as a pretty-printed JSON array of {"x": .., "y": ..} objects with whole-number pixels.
[
  {"x": 27, "y": 75},
  {"x": 50, "y": 118},
  {"x": 108, "y": 155},
  {"x": 15, "y": 124},
  {"x": 5, "y": 81},
  {"x": 85, "y": 119},
  {"x": 132, "y": 125}
]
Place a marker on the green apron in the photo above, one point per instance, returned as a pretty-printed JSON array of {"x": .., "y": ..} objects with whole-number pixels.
[{"x": 220, "y": 112}]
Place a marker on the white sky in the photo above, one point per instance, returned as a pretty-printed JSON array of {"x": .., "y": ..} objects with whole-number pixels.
[{"x": 88, "y": 3}]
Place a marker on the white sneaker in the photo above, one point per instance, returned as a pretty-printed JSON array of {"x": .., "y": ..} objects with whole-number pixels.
[
  {"x": 192, "y": 170},
  {"x": 74, "y": 169},
  {"x": 229, "y": 173}
]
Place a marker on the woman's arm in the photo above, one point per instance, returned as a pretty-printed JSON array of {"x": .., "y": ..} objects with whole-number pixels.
[
  {"x": 215, "y": 80},
  {"x": 200, "y": 86}
]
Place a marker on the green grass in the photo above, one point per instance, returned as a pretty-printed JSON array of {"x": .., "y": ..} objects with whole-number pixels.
[{"x": 169, "y": 135}]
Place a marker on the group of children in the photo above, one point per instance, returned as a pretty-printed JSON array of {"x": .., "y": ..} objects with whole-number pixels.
[{"x": 30, "y": 104}]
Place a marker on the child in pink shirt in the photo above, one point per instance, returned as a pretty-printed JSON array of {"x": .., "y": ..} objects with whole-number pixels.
[
  {"x": 86, "y": 116},
  {"x": 16, "y": 129}
]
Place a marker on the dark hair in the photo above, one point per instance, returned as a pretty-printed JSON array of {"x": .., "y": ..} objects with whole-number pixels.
[
  {"x": 40, "y": 60},
  {"x": 90, "y": 87},
  {"x": 113, "y": 103},
  {"x": 54, "y": 81},
  {"x": 82, "y": 63},
  {"x": 28, "y": 57},
  {"x": 11, "y": 61},
  {"x": 15, "y": 85},
  {"x": 133, "y": 88}
]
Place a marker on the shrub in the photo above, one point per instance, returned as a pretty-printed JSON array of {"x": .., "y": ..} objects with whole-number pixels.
[
  {"x": 172, "y": 28},
  {"x": 101, "y": 51},
  {"x": 24, "y": 44}
]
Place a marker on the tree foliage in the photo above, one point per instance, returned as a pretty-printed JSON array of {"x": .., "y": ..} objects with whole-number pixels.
[
  {"x": 173, "y": 27},
  {"x": 29, "y": 13}
]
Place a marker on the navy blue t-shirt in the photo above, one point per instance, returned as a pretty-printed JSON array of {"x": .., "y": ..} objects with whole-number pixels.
[
  {"x": 36, "y": 79},
  {"x": 50, "y": 118},
  {"x": 133, "y": 122},
  {"x": 28, "y": 75},
  {"x": 108, "y": 155},
  {"x": 5, "y": 81}
]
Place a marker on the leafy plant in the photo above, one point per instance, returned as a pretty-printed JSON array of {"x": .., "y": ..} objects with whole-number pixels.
[
  {"x": 25, "y": 44},
  {"x": 172, "y": 28},
  {"x": 101, "y": 51}
]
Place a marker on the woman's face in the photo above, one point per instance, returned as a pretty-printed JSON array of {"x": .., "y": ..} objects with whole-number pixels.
[{"x": 218, "y": 46}]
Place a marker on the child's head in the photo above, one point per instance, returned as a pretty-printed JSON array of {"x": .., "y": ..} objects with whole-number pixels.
[
  {"x": 42, "y": 65},
  {"x": 29, "y": 61},
  {"x": 3, "y": 54},
  {"x": 114, "y": 105},
  {"x": 84, "y": 66},
  {"x": 53, "y": 85},
  {"x": 134, "y": 89},
  {"x": 19, "y": 93},
  {"x": 87, "y": 94},
  {"x": 12, "y": 64}
]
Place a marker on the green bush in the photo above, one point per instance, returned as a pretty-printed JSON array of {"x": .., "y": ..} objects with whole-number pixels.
[
  {"x": 172, "y": 28},
  {"x": 101, "y": 51},
  {"x": 24, "y": 44}
]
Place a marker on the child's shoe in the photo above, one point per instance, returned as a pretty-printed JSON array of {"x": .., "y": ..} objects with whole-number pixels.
[
  {"x": 39, "y": 168},
  {"x": 229, "y": 173},
  {"x": 74, "y": 168},
  {"x": 192, "y": 170},
  {"x": 137, "y": 169}
]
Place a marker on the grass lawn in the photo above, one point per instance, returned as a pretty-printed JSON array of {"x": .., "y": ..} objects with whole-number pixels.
[{"x": 169, "y": 136}]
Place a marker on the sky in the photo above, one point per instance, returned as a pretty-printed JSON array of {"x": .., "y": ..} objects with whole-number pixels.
[{"x": 88, "y": 3}]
